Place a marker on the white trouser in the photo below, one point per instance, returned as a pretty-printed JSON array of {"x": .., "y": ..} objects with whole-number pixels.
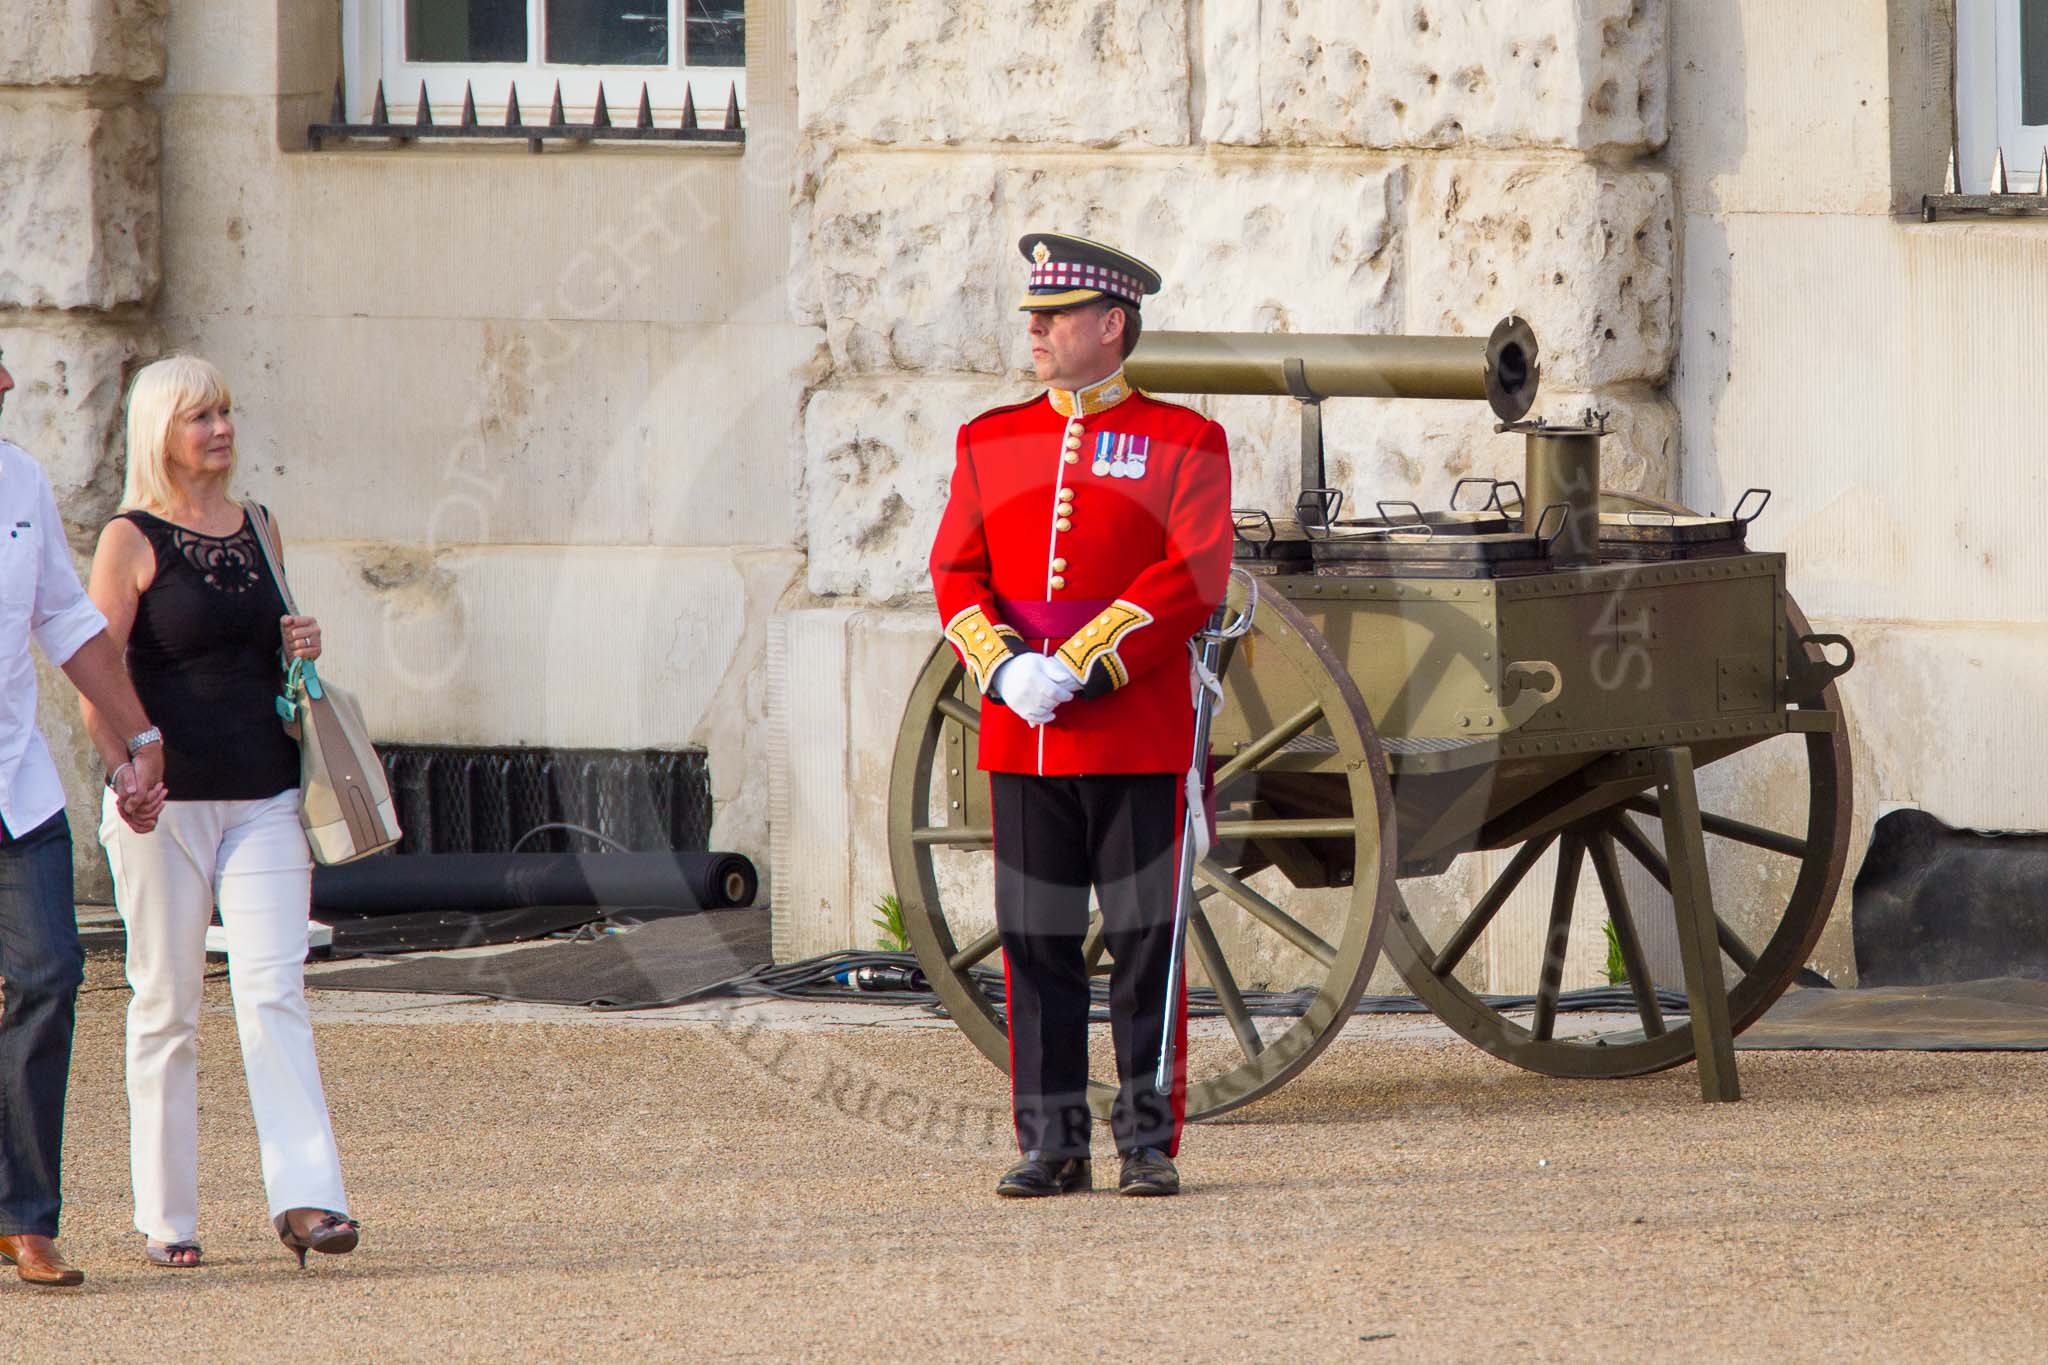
[{"x": 251, "y": 857}]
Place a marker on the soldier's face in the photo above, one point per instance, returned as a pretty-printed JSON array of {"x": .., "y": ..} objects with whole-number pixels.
[{"x": 1073, "y": 347}]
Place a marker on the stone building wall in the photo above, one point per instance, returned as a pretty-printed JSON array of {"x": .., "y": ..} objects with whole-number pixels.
[
  {"x": 80, "y": 270},
  {"x": 1306, "y": 166},
  {"x": 525, "y": 419},
  {"x": 1882, "y": 374}
]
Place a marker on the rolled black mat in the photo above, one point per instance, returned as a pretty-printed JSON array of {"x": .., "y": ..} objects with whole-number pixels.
[
  {"x": 1933, "y": 905},
  {"x": 411, "y": 883}
]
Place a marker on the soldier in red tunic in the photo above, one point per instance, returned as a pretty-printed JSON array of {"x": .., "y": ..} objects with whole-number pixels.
[{"x": 1086, "y": 539}]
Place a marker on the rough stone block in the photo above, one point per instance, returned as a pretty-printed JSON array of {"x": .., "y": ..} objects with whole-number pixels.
[
  {"x": 878, "y": 459},
  {"x": 81, "y": 42},
  {"x": 918, "y": 270},
  {"x": 1583, "y": 251},
  {"x": 79, "y": 215},
  {"x": 66, "y": 411},
  {"x": 911, "y": 262},
  {"x": 1092, "y": 72},
  {"x": 1583, "y": 74}
]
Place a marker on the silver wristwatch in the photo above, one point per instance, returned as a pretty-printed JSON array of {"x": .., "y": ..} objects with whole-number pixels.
[{"x": 138, "y": 742}]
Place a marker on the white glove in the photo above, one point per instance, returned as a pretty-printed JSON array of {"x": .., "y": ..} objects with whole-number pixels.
[{"x": 1034, "y": 686}]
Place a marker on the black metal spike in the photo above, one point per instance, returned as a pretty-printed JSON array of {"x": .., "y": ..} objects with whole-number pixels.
[
  {"x": 339, "y": 114},
  {"x": 732, "y": 107},
  {"x": 512, "y": 119},
  {"x": 424, "y": 117},
  {"x": 468, "y": 105},
  {"x": 379, "y": 112},
  {"x": 689, "y": 110},
  {"x": 556, "y": 118},
  {"x": 601, "y": 117},
  {"x": 646, "y": 118}
]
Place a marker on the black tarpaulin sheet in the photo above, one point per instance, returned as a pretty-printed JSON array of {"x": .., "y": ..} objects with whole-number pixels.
[
  {"x": 661, "y": 962},
  {"x": 432, "y": 930},
  {"x": 2006, "y": 1014}
]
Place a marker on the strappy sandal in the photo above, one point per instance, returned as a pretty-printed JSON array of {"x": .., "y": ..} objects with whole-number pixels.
[
  {"x": 166, "y": 1254},
  {"x": 336, "y": 1234}
]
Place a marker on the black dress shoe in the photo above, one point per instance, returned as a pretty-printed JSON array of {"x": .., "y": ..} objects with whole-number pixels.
[
  {"x": 1040, "y": 1174},
  {"x": 1148, "y": 1171}
]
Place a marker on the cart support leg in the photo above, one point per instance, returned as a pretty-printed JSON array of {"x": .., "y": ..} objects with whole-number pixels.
[{"x": 1699, "y": 947}]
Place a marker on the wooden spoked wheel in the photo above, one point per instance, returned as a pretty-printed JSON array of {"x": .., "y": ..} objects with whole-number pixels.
[
  {"x": 1285, "y": 690},
  {"x": 1774, "y": 875}
]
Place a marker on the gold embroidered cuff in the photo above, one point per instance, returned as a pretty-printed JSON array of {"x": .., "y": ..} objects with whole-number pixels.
[
  {"x": 1097, "y": 642},
  {"x": 982, "y": 644}
]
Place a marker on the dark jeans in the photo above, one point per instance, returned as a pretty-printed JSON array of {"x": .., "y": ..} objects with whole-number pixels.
[{"x": 42, "y": 965}]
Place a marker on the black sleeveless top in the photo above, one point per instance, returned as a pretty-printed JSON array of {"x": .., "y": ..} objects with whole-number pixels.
[{"x": 205, "y": 657}]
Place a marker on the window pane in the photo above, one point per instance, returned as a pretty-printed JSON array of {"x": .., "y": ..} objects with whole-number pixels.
[
  {"x": 2034, "y": 61},
  {"x": 465, "y": 30},
  {"x": 608, "y": 32},
  {"x": 716, "y": 32}
]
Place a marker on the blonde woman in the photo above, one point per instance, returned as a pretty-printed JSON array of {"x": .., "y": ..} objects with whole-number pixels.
[{"x": 182, "y": 581}]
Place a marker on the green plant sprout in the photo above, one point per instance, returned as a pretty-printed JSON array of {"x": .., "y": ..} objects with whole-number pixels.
[
  {"x": 890, "y": 922},
  {"x": 1617, "y": 966}
]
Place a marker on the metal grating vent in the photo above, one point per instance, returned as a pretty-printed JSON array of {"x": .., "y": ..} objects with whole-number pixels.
[{"x": 462, "y": 800}]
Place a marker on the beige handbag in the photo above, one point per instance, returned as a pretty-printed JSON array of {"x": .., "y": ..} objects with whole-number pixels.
[{"x": 344, "y": 801}]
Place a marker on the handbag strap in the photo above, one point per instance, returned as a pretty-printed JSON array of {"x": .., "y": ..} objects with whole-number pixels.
[{"x": 266, "y": 538}]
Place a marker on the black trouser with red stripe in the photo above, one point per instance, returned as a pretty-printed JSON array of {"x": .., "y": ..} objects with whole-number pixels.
[{"x": 1055, "y": 837}]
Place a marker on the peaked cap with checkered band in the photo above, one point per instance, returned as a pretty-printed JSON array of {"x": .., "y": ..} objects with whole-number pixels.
[{"x": 1069, "y": 271}]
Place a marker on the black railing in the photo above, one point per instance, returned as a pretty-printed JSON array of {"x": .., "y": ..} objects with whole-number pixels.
[
  {"x": 600, "y": 128},
  {"x": 454, "y": 799}
]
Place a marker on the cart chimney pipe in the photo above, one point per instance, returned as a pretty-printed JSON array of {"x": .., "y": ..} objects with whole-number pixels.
[
  {"x": 1502, "y": 368},
  {"x": 1563, "y": 467}
]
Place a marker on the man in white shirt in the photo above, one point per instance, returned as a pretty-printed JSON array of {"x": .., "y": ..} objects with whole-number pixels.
[{"x": 40, "y": 960}]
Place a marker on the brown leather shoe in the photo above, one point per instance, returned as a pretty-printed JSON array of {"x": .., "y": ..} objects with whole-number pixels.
[{"x": 37, "y": 1260}]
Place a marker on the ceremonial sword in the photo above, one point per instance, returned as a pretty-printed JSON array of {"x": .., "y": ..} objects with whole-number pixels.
[{"x": 1222, "y": 627}]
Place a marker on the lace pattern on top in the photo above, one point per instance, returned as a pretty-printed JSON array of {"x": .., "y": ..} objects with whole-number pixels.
[{"x": 227, "y": 563}]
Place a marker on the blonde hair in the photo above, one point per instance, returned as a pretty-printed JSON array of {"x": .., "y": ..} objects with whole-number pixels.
[{"x": 164, "y": 392}]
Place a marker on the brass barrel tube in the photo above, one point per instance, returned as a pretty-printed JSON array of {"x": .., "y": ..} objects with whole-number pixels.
[
  {"x": 1563, "y": 466},
  {"x": 1501, "y": 369}
]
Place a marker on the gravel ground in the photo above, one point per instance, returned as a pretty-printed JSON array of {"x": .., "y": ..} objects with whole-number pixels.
[{"x": 585, "y": 1187}]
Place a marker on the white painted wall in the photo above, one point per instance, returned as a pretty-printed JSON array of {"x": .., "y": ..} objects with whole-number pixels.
[
  {"x": 1882, "y": 376},
  {"x": 527, "y": 421}
]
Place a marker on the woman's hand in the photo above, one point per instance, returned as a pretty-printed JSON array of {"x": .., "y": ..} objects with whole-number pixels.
[
  {"x": 139, "y": 793},
  {"x": 301, "y": 637}
]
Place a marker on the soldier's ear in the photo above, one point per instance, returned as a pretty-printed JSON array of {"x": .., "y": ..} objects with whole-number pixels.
[{"x": 1112, "y": 326}]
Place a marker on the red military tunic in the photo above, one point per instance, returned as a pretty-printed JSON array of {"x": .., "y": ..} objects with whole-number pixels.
[{"x": 1093, "y": 525}]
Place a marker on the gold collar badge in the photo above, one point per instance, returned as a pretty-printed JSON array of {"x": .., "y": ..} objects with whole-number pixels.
[{"x": 1100, "y": 396}]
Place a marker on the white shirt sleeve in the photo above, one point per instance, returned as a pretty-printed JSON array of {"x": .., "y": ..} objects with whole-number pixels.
[{"x": 63, "y": 617}]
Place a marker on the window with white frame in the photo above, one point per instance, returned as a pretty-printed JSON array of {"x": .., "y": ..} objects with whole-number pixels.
[
  {"x": 496, "y": 46},
  {"x": 2001, "y": 91}
]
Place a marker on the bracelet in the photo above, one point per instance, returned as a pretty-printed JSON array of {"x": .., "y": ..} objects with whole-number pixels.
[{"x": 117, "y": 773}]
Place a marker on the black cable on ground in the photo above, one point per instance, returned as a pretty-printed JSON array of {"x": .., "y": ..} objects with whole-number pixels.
[{"x": 831, "y": 977}]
